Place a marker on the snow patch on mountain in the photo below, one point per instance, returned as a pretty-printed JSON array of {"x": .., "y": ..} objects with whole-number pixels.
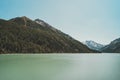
[{"x": 93, "y": 45}]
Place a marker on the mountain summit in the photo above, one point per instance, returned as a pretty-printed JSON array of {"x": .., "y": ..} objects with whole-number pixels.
[
  {"x": 23, "y": 35},
  {"x": 93, "y": 45}
]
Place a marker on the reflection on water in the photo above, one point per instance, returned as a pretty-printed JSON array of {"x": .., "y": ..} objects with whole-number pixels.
[{"x": 60, "y": 67}]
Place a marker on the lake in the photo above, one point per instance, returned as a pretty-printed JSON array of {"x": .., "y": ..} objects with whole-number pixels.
[{"x": 60, "y": 67}]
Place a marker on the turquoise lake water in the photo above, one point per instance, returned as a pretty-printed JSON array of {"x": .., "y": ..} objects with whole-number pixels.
[{"x": 60, "y": 67}]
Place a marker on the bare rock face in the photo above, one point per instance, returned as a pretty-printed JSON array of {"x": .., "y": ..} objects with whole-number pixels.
[{"x": 44, "y": 24}]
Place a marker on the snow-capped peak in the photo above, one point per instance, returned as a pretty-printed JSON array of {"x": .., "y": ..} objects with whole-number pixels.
[{"x": 93, "y": 45}]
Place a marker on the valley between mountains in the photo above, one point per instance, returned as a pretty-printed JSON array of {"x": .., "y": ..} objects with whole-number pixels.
[{"x": 24, "y": 35}]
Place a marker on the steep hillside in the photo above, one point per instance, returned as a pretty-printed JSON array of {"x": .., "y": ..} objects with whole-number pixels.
[
  {"x": 113, "y": 47},
  {"x": 23, "y": 35}
]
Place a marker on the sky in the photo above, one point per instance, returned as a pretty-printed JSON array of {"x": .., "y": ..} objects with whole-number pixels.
[{"x": 97, "y": 20}]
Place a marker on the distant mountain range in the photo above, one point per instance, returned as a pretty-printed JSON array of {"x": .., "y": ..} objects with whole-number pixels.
[
  {"x": 23, "y": 35},
  {"x": 113, "y": 47},
  {"x": 93, "y": 45}
]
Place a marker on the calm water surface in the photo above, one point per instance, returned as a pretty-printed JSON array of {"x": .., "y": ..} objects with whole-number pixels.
[{"x": 60, "y": 67}]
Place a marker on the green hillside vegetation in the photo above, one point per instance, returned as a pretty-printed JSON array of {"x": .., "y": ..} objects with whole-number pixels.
[{"x": 23, "y": 35}]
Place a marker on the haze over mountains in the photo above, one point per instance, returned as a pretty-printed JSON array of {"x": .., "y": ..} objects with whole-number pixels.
[
  {"x": 23, "y": 35},
  {"x": 93, "y": 45},
  {"x": 113, "y": 47}
]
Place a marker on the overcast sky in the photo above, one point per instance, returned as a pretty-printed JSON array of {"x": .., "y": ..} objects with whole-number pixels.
[{"x": 97, "y": 20}]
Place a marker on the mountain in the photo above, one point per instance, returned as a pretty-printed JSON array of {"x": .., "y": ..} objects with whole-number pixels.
[
  {"x": 23, "y": 35},
  {"x": 113, "y": 47},
  {"x": 93, "y": 45}
]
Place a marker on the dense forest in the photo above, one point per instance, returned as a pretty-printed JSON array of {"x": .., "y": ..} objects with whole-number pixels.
[{"x": 23, "y": 35}]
